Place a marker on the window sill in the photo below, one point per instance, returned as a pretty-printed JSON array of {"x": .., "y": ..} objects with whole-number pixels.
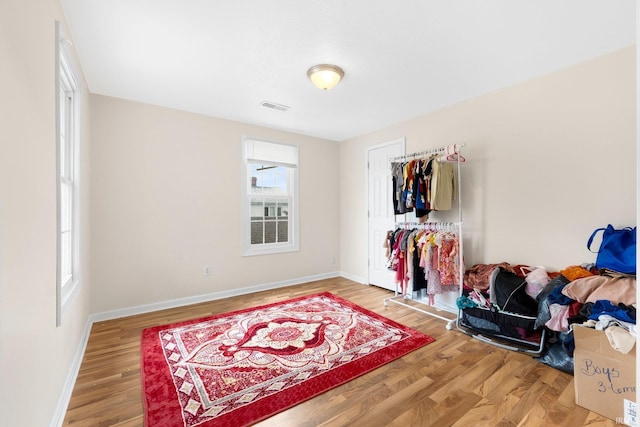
[
  {"x": 254, "y": 251},
  {"x": 69, "y": 292}
]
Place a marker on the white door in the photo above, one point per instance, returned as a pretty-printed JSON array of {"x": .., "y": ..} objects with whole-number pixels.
[{"x": 380, "y": 206}]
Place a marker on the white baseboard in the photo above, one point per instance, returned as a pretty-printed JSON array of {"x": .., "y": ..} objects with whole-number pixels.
[
  {"x": 65, "y": 396},
  {"x": 67, "y": 388},
  {"x": 353, "y": 277},
  {"x": 180, "y": 302}
]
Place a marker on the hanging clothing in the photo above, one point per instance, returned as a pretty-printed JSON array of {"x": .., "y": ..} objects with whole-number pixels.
[
  {"x": 443, "y": 186},
  {"x": 423, "y": 185},
  {"x": 422, "y": 205},
  {"x": 448, "y": 261},
  {"x": 424, "y": 259},
  {"x": 399, "y": 200}
]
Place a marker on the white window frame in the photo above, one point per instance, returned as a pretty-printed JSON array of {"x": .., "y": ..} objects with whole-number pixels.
[
  {"x": 293, "y": 243},
  {"x": 68, "y": 99}
]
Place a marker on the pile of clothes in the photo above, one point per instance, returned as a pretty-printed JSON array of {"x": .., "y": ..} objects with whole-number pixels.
[{"x": 602, "y": 299}]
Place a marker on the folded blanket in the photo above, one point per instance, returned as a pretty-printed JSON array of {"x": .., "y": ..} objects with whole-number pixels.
[{"x": 593, "y": 288}]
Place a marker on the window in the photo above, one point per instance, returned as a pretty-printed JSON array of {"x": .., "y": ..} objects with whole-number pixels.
[
  {"x": 270, "y": 220},
  {"x": 67, "y": 139}
]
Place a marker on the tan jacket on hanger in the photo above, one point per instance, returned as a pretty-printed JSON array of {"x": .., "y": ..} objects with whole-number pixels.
[{"x": 443, "y": 186}]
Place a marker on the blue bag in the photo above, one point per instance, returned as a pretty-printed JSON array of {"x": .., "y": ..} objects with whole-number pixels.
[{"x": 618, "y": 249}]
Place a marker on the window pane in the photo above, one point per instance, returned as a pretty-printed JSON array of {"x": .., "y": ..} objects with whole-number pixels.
[
  {"x": 268, "y": 179},
  {"x": 281, "y": 179},
  {"x": 65, "y": 256},
  {"x": 63, "y": 135},
  {"x": 257, "y": 232},
  {"x": 283, "y": 231},
  {"x": 283, "y": 209},
  {"x": 283, "y": 220},
  {"x": 257, "y": 209},
  {"x": 270, "y": 206},
  {"x": 253, "y": 179},
  {"x": 66, "y": 134},
  {"x": 65, "y": 207},
  {"x": 63, "y": 112},
  {"x": 270, "y": 231}
]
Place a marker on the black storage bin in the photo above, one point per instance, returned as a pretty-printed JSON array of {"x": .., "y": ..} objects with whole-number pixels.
[{"x": 510, "y": 322}]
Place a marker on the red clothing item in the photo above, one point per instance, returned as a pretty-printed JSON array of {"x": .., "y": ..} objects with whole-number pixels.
[{"x": 477, "y": 277}]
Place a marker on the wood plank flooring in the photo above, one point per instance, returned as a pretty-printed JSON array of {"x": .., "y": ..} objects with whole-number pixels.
[{"x": 455, "y": 381}]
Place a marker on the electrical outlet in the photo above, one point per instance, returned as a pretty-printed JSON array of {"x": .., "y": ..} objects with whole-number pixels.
[
  {"x": 334, "y": 260},
  {"x": 206, "y": 270}
]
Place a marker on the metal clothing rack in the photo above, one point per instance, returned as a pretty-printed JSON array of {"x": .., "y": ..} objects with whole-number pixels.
[
  {"x": 452, "y": 149},
  {"x": 400, "y": 297},
  {"x": 431, "y": 225}
]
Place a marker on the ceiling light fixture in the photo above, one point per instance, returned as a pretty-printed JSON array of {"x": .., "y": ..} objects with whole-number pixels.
[{"x": 325, "y": 76}]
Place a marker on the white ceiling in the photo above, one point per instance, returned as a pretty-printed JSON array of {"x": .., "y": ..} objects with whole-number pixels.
[{"x": 401, "y": 58}]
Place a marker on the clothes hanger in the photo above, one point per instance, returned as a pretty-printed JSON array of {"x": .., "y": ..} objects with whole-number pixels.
[{"x": 452, "y": 155}]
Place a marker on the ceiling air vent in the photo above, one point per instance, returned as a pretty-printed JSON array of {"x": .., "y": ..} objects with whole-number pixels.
[{"x": 274, "y": 106}]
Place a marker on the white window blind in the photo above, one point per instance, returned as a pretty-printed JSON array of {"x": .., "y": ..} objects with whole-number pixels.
[{"x": 271, "y": 153}]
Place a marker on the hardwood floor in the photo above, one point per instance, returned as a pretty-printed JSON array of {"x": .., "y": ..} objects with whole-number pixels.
[{"x": 455, "y": 381}]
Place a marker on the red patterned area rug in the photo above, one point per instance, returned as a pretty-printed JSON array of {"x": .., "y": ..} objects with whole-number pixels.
[{"x": 238, "y": 368}]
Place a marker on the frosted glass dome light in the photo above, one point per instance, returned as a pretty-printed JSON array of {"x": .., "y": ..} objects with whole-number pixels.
[{"x": 325, "y": 76}]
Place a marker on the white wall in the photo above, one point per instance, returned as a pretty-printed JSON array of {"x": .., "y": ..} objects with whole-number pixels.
[
  {"x": 548, "y": 161},
  {"x": 166, "y": 202},
  {"x": 35, "y": 357}
]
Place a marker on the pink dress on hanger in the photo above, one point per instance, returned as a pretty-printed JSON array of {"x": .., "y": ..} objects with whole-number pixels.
[{"x": 447, "y": 261}]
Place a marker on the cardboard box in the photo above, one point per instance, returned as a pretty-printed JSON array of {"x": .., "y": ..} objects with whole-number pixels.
[{"x": 604, "y": 378}]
